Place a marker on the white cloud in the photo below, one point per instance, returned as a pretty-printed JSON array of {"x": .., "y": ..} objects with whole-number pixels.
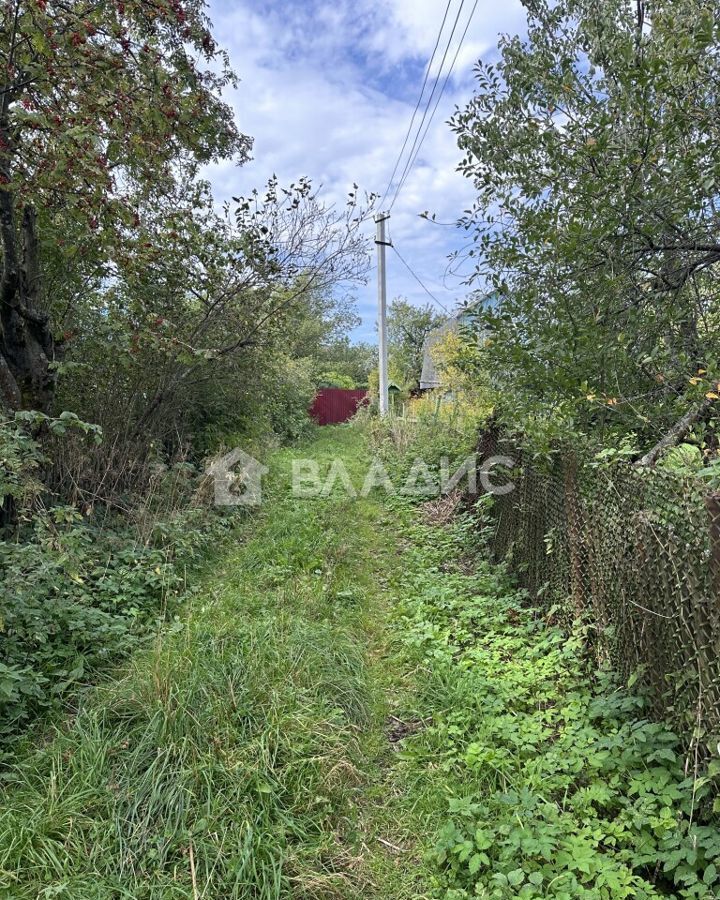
[{"x": 327, "y": 90}]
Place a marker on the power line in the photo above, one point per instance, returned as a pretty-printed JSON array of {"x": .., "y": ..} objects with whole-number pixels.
[
  {"x": 413, "y": 158},
  {"x": 417, "y": 278},
  {"x": 429, "y": 101},
  {"x": 417, "y": 105}
]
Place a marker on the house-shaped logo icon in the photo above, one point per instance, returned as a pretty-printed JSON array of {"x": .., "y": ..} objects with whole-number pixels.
[{"x": 237, "y": 478}]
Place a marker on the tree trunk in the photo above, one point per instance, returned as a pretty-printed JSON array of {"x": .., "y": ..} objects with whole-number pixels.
[{"x": 26, "y": 341}]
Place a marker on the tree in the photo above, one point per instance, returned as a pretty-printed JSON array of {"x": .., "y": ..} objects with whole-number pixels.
[
  {"x": 408, "y": 326},
  {"x": 339, "y": 360},
  {"x": 213, "y": 323},
  {"x": 593, "y": 147},
  {"x": 236, "y": 282},
  {"x": 99, "y": 104}
]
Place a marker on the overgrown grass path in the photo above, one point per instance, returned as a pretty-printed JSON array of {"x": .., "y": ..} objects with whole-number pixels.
[
  {"x": 356, "y": 705},
  {"x": 230, "y": 760}
]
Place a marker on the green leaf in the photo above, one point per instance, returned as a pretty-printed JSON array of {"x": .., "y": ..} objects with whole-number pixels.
[{"x": 516, "y": 877}]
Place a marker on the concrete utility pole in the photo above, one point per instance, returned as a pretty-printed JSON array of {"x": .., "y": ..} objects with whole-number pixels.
[{"x": 382, "y": 243}]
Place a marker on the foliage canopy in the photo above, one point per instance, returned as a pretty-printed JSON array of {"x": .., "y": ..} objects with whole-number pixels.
[{"x": 593, "y": 146}]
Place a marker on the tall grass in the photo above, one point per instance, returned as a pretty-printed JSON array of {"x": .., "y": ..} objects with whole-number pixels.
[{"x": 225, "y": 762}]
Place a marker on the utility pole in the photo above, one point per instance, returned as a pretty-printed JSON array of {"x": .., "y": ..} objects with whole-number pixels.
[{"x": 382, "y": 243}]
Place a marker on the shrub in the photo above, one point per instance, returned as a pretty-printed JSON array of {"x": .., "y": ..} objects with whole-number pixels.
[
  {"x": 77, "y": 597},
  {"x": 80, "y": 592}
]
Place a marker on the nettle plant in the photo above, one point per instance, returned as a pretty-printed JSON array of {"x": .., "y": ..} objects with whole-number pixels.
[
  {"x": 22, "y": 459},
  {"x": 558, "y": 784},
  {"x": 77, "y": 598},
  {"x": 78, "y": 592}
]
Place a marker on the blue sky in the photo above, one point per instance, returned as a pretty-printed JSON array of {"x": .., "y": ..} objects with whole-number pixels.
[{"x": 327, "y": 90}]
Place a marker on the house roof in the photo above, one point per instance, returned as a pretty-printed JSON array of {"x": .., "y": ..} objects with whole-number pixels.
[{"x": 429, "y": 377}]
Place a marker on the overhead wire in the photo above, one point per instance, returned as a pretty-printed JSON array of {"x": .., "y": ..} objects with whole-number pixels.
[
  {"x": 419, "y": 280},
  {"x": 432, "y": 94},
  {"x": 417, "y": 105},
  {"x": 421, "y": 134},
  {"x": 412, "y": 158}
]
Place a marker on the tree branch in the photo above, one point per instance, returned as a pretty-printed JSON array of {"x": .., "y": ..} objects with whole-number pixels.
[{"x": 675, "y": 434}]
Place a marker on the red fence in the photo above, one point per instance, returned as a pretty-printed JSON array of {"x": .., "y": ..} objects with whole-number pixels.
[{"x": 334, "y": 405}]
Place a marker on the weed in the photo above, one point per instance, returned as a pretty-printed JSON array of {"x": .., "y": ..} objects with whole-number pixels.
[
  {"x": 349, "y": 709},
  {"x": 550, "y": 781},
  {"x": 227, "y": 761}
]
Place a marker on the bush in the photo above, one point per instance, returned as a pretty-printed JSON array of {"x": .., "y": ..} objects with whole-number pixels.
[
  {"x": 78, "y": 597},
  {"x": 80, "y": 592},
  {"x": 433, "y": 427}
]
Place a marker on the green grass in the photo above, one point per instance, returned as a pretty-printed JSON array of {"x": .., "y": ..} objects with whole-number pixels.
[
  {"x": 355, "y": 705},
  {"x": 228, "y": 761},
  {"x": 528, "y": 775}
]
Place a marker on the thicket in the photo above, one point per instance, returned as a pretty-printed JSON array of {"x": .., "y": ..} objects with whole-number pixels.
[
  {"x": 592, "y": 142},
  {"x": 142, "y": 328},
  {"x": 81, "y": 591}
]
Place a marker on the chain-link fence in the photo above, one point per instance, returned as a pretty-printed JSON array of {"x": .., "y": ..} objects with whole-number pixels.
[{"x": 634, "y": 551}]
